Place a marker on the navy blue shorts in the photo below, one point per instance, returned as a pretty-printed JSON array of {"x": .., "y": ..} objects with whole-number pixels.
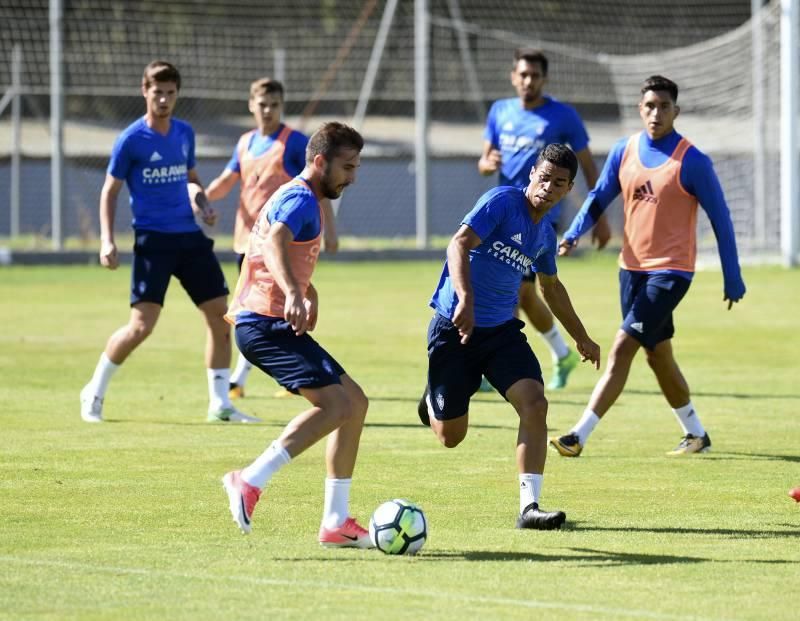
[
  {"x": 500, "y": 353},
  {"x": 647, "y": 302},
  {"x": 187, "y": 256},
  {"x": 293, "y": 361}
]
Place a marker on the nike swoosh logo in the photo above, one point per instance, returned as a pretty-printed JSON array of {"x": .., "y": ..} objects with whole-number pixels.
[
  {"x": 244, "y": 511},
  {"x": 350, "y": 538}
]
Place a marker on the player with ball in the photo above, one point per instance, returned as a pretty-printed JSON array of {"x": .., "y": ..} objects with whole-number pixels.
[{"x": 474, "y": 331}]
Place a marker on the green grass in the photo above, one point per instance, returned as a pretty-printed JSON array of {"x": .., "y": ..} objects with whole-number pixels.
[{"x": 127, "y": 520}]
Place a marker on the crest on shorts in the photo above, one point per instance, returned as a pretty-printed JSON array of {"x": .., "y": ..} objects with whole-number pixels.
[
  {"x": 440, "y": 401},
  {"x": 327, "y": 366}
]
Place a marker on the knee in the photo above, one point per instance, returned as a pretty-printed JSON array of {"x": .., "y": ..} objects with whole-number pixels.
[
  {"x": 533, "y": 412},
  {"x": 140, "y": 330},
  {"x": 451, "y": 438},
  {"x": 359, "y": 404}
]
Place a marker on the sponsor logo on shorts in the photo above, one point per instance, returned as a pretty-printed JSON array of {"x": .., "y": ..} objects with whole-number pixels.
[{"x": 638, "y": 326}]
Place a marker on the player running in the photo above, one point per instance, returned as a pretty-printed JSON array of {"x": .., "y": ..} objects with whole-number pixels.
[
  {"x": 474, "y": 331},
  {"x": 662, "y": 178}
]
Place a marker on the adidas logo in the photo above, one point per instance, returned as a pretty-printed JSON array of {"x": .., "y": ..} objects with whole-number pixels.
[
  {"x": 508, "y": 126},
  {"x": 517, "y": 238},
  {"x": 645, "y": 193},
  {"x": 638, "y": 326},
  {"x": 156, "y": 157}
]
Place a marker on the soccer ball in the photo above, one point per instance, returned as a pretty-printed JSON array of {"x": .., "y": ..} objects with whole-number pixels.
[{"x": 398, "y": 527}]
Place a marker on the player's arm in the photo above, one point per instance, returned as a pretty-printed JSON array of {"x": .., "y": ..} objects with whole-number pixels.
[
  {"x": 599, "y": 198},
  {"x": 557, "y": 298},
  {"x": 220, "y": 187},
  {"x": 698, "y": 176},
  {"x": 330, "y": 239},
  {"x": 601, "y": 232},
  {"x": 108, "y": 208},
  {"x": 490, "y": 159},
  {"x": 200, "y": 204},
  {"x": 458, "y": 249},
  {"x": 276, "y": 250},
  {"x": 311, "y": 303}
]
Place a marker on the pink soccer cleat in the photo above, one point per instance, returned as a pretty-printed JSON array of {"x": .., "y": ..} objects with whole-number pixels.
[
  {"x": 242, "y": 499},
  {"x": 349, "y": 535}
]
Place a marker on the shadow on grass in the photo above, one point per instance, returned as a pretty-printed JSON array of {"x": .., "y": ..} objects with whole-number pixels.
[
  {"x": 583, "y": 556},
  {"x": 732, "y": 395},
  {"x": 733, "y": 533},
  {"x": 731, "y": 455}
]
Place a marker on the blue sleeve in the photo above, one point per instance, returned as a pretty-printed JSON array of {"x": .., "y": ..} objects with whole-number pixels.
[
  {"x": 296, "y": 210},
  {"x": 601, "y": 196},
  {"x": 233, "y": 164},
  {"x": 190, "y": 161},
  {"x": 575, "y": 131},
  {"x": 486, "y": 215},
  {"x": 120, "y": 163},
  {"x": 490, "y": 131},
  {"x": 700, "y": 180},
  {"x": 294, "y": 157},
  {"x": 545, "y": 263}
]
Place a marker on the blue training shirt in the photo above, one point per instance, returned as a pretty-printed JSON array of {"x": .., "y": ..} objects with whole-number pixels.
[
  {"x": 510, "y": 243},
  {"x": 298, "y": 208},
  {"x": 521, "y": 134},
  {"x": 697, "y": 177},
  {"x": 156, "y": 168},
  {"x": 294, "y": 156}
]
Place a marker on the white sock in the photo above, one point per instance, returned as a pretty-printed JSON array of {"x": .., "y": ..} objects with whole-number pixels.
[
  {"x": 218, "y": 380},
  {"x": 102, "y": 375},
  {"x": 268, "y": 463},
  {"x": 337, "y": 502},
  {"x": 584, "y": 427},
  {"x": 242, "y": 370},
  {"x": 689, "y": 420},
  {"x": 558, "y": 348},
  {"x": 530, "y": 488}
]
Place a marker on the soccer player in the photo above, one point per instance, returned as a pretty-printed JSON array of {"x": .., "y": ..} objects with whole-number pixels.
[
  {"x": 155, "y": 157},
  {"x": 662, "y": 178},
  {"x": 517, "y": 129},
  {"x": 274, "y": 308},
  {"x": 264, "y": 159},
  {"x": 474, "y": 331}
]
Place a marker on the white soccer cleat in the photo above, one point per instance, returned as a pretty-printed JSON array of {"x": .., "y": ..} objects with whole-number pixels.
[
  {"x": 231, "y": 415},
  {"x": 91, "y": 406}
]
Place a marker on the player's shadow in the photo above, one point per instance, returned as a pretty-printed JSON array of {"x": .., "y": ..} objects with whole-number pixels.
[
  {"x": 584, "y": 556},
  {"x": 722, "y": 395},
  {"x": 733, "y": 455},
  {"x": 732, "y": 533}
]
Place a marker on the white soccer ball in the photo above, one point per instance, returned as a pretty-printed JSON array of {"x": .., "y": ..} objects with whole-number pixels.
[{"x": 398, "y": 527}]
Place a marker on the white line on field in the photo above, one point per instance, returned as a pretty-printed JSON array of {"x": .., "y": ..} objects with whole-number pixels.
[{"x": 304, "y": 585}]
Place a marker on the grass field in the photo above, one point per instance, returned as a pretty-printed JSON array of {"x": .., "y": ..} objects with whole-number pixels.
[{"x": 127, "y": 520}]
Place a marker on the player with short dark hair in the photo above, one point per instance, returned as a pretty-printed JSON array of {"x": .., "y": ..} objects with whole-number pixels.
[
  {"x": 263, "y": 160},
  {"x": 474, "y": 331},
  {"x": 155, "y": 156},
  {"x": 274, "y": 308},
  {"x": 662, "y": 178},
  {"x": 516, "y": 130}
]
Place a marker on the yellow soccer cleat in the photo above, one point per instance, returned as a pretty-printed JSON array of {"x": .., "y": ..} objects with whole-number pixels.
[
  {"x": 568, "y": 445},
  {"x": 690, "y": 444}
]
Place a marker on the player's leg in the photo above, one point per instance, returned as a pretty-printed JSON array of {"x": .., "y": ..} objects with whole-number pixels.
[
  {"x": 514, "y": 371},
  {"x": 564, "y": 359},
  {"x": 676, "y": 390},
  {"x": 453, "y": 377},
  {"x": 635, "y": 331},
  {"x": 243, "y": 366},
  {"x": 201, "y": 276},
  {"x": 150, "y": 274}
]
